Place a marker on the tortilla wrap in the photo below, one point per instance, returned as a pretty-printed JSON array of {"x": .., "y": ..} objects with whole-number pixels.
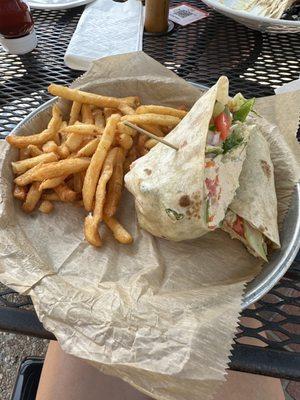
[
  {"x": 255, "y": 200},
  {"x": 169, "y": 186}
]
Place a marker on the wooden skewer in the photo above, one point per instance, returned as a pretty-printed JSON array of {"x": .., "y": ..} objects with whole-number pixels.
[{"x": 141, "y": 130}]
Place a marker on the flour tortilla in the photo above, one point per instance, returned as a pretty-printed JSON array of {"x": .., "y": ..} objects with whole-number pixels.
[
  {"x": 168, "y": 185},
  {"x": 255, "y": 200}
]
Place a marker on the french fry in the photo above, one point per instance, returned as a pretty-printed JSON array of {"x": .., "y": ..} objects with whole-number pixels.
[
  {"x": 78, "y": 182},
  {"x": 53, "y": 170},
  {"x": 19, "y": 167},
  {"x": 126, "y": 109},
  {"x": 83, "y": 129},
  {"x": 153, "y": 129},
  {"x": 86, "y": 114},
  {"x": 51, "y": 183},
  {"x": 105, "y": 176},
  {"x": 89, "y": 149},
  {"x": 33, "y": 150},
  {"x": 51, "y": 197},
  {"x": 84, "y": 97},
  {"x": 63, "y": 151},
  {"x": 124, "y": 129},
  {"x": 91, "y": 232},
  {"x": 115, "y": 185},
  {"x": 63, "y": 136},
  {"x": 73, "y": 142},
  {"x": 50, "y": 147},
  {"x": 119, "y": 232},
  {"x": 133, "y": 101},
  {"x": 166, "y": 129},
  {"x": 32, "y": 198},
  {"x": 40, "y": 138},
  {"x": 107, "y": 112},
  {"x": 152, "y": 119},
  {"x": 24, "y": 153},
  {"x": 65, "y": 193},
  {"x": 93, "y": 171},
  {"x": 99, "y": 119},
  {"x": 74, "y": 113},
  {"x": 161, "y": 110},
  {"x": 46, "y": 207},
  {"x": 150, "y": 143},
  {"x": 125, "y": 141},
  {"x": 20, "y": 192},
  {"x": 141, "y": 144}
]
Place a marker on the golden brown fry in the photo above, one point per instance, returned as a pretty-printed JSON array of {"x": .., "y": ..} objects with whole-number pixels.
[
  {"x": 63, "y": 151},
  {"x": 20, "y": 192},
  {"x": 125, "y": 141},
  {"x": 84, "y": 97},
  {"x": 53, "y": 170},
  {"x": 141, "y": 144},
  {"x": 105, "y": 176},
  {"x": 46, "y": 207},
  {"x": 99, "y": 119},
  {"x": 166, "y": 129},
  {"x": 131, "y": 157},
  {"x": 133, "y": 101},
  {"x": 86, "y": 113},
  {"x": 115, "y": 185},
  {"x": 34, "y": 150},
  {"x": 93, "y": 171},
  {"x": 40, "y": 138},
  {"x": 122, "y": 128},
  {"x": 78, "y": 182},
  {"x": 151, "y": 119},
  {"x": 89, "y": 149},
  {"x": 151, "y": 109},
  {"x": 74, "y": 113},
  {"x": 83, "y": 129},
  {"x": 51, "y": 197},
  {"x": 32, "y": 198},
  {"x": 73, "y": 142},
  {"x": 107, "y": 112},
  {"x": 19, "y": 167},
  {"x": 63, "y": 136},
  {"x": 153, "y": 129},
  {"x": 91, "y": 232},
  {"x": 126, "y": 109},
  {"x": 65, "y": 193},
  {"x": 50, "y": 147},
  {"x": 118, "y": 230},
  {"x": 150, "y": 143},
  {"x": 24, "y": 153},
  {"x": 51, "y": 183}
]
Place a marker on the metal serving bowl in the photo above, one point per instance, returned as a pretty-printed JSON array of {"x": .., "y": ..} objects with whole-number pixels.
[{"x": 280, "y": 260}]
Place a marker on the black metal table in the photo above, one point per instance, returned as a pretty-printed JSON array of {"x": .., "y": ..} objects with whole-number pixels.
[{"x": 256, "y": 64}]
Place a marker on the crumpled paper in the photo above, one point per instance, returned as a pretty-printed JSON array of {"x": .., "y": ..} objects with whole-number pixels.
[{"x": 160, "y": 315}]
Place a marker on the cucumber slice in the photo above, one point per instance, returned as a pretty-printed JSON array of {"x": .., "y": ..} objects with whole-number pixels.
[
  {"x": 218, "y": 108},
  {"x": 255, "y": 240}
]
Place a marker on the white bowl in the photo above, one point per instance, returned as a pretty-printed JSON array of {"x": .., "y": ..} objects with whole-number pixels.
[{"x": 258, "y": 23}]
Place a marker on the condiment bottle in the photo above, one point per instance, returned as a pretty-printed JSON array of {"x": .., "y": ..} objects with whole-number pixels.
[
  {"x": 156, "y": 16},
  {"x": 17, "y": 34}
]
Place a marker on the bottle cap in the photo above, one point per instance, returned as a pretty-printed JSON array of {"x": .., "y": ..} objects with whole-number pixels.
[{"x": 20, "y": 45}]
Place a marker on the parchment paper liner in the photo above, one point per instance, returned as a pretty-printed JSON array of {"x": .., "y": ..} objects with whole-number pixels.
[{"x": 158, "y": 314}]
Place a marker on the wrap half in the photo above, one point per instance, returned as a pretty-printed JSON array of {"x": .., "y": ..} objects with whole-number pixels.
[
  {"x": 176, "y": 196},
  {"x": 252, "y": 215}
]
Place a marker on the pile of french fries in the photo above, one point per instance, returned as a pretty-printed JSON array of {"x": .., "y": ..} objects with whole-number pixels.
[{"x": 82, "y": 161}]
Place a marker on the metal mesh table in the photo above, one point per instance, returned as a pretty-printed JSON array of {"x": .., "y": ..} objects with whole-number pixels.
[{"x": 256, "y": 64}]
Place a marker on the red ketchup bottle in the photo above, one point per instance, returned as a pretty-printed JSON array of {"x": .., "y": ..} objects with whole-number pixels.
[{"x": 17, "y": 34}]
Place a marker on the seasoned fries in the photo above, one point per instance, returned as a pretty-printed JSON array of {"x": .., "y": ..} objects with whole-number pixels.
[
  {"x": 19, "y": 167},
  {"x": 93, "y": 171},
  {"x": 161, "y": 110},
  {"x": 55, "y": 165},
  {"x": 155, "y": 119}
]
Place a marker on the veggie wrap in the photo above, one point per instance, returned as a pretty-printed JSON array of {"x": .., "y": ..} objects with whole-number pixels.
[
  {"x": 176, "y": 196},
  {"x": 252, "y": 215}
]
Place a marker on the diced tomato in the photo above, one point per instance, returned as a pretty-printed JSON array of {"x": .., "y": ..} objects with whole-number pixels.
[
  {"x": 222, "y": 124},
  {"x": 212, "y": 185},
  {"x": 238, "y": 226}
]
